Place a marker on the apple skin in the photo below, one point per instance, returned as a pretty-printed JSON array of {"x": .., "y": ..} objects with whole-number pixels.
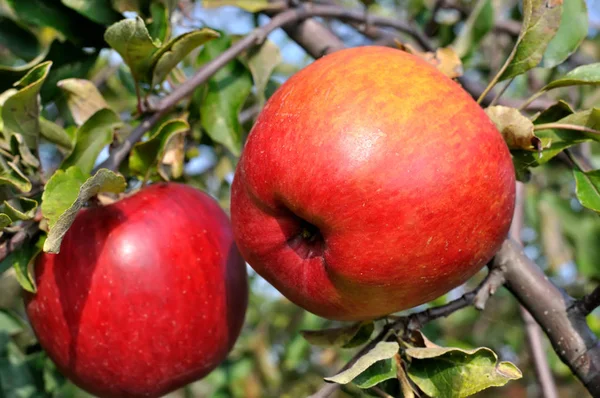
[
  {"x": 369, "y": 184},
  {"x": 146, "y": 295}
]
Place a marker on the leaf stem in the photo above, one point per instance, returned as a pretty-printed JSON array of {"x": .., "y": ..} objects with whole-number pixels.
[
  {"x": 530, "y": 100},
  {"x": 501, "y": 92},
  {"x": 565, "y": 126}
]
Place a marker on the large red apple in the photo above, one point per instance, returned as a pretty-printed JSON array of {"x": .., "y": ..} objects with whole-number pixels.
[
  {"x": 371, "y": 183},
  {"x": 146, "y": 295}
]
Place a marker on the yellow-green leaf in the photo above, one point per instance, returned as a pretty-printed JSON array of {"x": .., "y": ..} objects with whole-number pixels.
[
  {"x": 169, "y": 55},
  {"x": 83, "y": 98},
  {"x": 444, "y": 372},
  {"x": 66, "y": 193}
]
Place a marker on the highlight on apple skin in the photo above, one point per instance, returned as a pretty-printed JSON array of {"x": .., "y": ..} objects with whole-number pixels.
[
  {"x": 146, "y": 295},
  {"x": 371, "y": 183}
]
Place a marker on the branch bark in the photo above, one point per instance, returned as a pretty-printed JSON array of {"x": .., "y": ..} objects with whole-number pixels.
[
  {"x": 555, "y": 312},
  {"x": 532, "y": 329}
]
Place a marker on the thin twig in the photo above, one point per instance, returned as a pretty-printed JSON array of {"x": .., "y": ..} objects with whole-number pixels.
[
  {"x": 588, "y": 303},
  {"x": 416, "y": 321}
]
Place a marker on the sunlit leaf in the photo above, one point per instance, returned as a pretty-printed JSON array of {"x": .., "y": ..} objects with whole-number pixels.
[
  {"x": 261, "y": 61},
  {"x": 583, "y": 75},
  {"x": 453, "y": 373},
  {"x": 378, "y": 372},
  {"x": 160, "y": 27},
  {"x": 55, "y": 134},
  {"x": 169, "y": 55},
  {"x": 226, "y": 92},
  {"x": 11, "y": 174},
  {"x": 130, "y": 38},
  {"x": 541, "y": 19},
  {"x": 22, "y": 262},
  {"x": 572, "y": 31},
  {"x": 21, "y": 111},
  {"x": 383, "y": 350},
  {"x": 83, "y": 98},
  {"x": 19, "y": 208},
  {"x": 92, "y": 137},
  {"x": 588, "y": 188},
  {"x": 66, "y": 193}
]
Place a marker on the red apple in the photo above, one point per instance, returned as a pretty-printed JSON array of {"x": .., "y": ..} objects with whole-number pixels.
[
  {"x": 371, "y": 183},
  {"x": 146, "y": 295}
]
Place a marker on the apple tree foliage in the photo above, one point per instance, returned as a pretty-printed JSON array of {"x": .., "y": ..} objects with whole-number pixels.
[{"x": 84, "y": 80}]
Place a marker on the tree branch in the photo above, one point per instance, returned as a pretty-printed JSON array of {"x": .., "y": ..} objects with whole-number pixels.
[
  {"x": 588, "y": 303},
  {"x": 257, "y": 36},
  {"x": 532, "y": 329},
  {"x": 555, "y": 312}
]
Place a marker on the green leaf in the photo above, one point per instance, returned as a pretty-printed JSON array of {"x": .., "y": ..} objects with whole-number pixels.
[
  {"x": 261, "y": 61},
  {"x": 19, "y": 208},
  {"x": 516, "y": 129},
  {"x": 347, "y": 337},
  {"x": 160, "y": 27},
  {"x": 169, "y": 55},
  {"x": 10, "y": 324},
  {"x": 554, "y": 141},
  {"x": 226, "y": 92},
  {"x": 63, "y": 20},
  {"x": 252, "y": 6},
  {"x": 585, "y": 74},
  {"x": 146, "y": 155},
  {"x": 541, "y": 19},
  {"x": 18, "y": 40},
  {"x": 99, "y": 11},
  {"x": 55, "y": 134},
  {"x": 378, "y": 372},
  {"x": 92, "y": 136},
  {"x": 572, "y": 31},
  {"x": 66, "y": 194},
  {"x": 22, "y": 261},
  {"x": 5, "y": 221},
  {"x": 479, "y": 23},
  {"x": 61, "y": 192},
  {"x": 383, "y": 350},
  {"x": 83, "y": 98},
  {"x": 553, "y": 113},
  {"x": 16, "y": 377},
  {"x": 453, "y": 373},
  {"x": 18, "y": 146},
  {"x": 132, "y": 41},
  {"x": 21, "y": 111},
  {"x": 588, "y": 188},
  {"x": 11, "y": 174}
]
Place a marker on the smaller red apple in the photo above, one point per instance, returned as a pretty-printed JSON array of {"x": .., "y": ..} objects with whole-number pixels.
[{"x": 146, "y": 295}]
